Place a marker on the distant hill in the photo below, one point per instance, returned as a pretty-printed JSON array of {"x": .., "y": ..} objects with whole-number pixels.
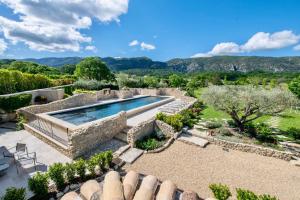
[{"x": 217, "y": 63}]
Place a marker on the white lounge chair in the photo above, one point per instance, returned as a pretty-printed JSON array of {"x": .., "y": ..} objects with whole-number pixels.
[
  {"x": 71, "y": 196},
  {"x": 130, "y": 183},
  {"x": 166, "y": 191},
  {"x": 147, "y": 188},
  {"x": 112, "y": 187},
  {"x": 91, "y": 190}
]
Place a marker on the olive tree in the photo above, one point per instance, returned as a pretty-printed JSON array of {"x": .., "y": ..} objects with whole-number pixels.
[{"x": 247, "y": 103}]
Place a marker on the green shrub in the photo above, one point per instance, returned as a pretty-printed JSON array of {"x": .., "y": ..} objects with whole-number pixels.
[
  {"x": 21, "y": 120},
  {"x": 173, "y": 120},
  {"x": 38, "y": 184},
  {"x": 294, "y": 132},
  {"x": 13, "y": 193},
  {"x": 91, "y": 164},
  {"x": 213, "y": 124},
  {"x": 221, "y": 192},
  {"x": 94, "y": 85},
  {"x": 80, "y": 166},
  {"x": 69, "y": 90},
  {"x": 264, "y": 133},
  {"x": 108, "y": 157},
  {"x": 147, "y": 144},
  {"x": 70, "y": 171},
  {"x": 12, "y": 103},
  {"x": 267, "y": 197},
  {"x": 161, "y": 116},
  {"x": 245, "y": 195},
  {"x": 56, "y": 173}
]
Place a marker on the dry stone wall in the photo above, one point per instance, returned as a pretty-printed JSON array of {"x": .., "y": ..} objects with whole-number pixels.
[
  {"x": 85, "y": 139},
  {"x": 140, "y": 131}
]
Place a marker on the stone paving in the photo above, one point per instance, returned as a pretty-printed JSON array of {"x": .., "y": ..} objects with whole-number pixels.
[
  {"x": 193, "y": 140},
  {"x": 174, "y": 107},
  {"x": 131, "y": 155}
]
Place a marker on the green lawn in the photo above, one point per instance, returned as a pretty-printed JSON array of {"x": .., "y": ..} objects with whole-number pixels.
[
  {"x": 289, "y": 119},
  {"x": 210, "y": 113}
]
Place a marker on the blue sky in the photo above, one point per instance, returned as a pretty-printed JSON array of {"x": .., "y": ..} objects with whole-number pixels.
[{"x": 159, "y": 29}]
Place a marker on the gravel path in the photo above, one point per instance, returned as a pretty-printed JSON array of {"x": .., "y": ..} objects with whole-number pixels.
[{"x": 194, "y": 168}]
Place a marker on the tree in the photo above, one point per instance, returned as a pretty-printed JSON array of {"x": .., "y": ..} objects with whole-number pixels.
[
  {"x": 294, "y": 86},
  {"x": 176, "y": 80},
  {"x": 93, "y": 68},
  {"x": 247, "y": 103},
  {"x": 68, "y": 69},
  {"x": 151, "y": 81}
]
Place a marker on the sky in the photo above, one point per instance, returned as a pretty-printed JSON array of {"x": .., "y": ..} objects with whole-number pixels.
[{"x": 158, "y": 29}]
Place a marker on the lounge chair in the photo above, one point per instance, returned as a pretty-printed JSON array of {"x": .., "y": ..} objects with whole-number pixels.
[
  {"x": 189, "y": 195},
  {"x": 112, "y": 187},
  {"x": 130, "y": 183},
  {"x": 166, "y": 191},
  {"x": 91, "y": 190},
  {"x": 147, "y": 188},
  {"x": 71, "y": 196}
]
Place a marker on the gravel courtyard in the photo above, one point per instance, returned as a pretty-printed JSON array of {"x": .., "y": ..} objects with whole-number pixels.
[{"x": 194, "y": 168}]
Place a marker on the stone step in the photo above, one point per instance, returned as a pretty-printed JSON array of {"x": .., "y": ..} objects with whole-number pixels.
[
  {"x": 197, "y": 133},
  {"x": 200, "y": 127},
  {"x": 121, "y": 136},
  {"x": 131, "y": 155},
  {"x": 193, "y": 140},
  {"x": 121, "y": 150}
]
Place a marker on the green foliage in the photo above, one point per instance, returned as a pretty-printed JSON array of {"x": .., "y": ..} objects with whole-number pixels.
[
  {"x": 131, "y": 81},
  {"x": 13, "y": 193},
  {"x": 246, "y": 195},
  {"x": 224, "y": 131},
  {"x": 151, "y": 81},
  {"x": 267, "y": 197},
  {"x": 151, "y": 142},
  {"x": 68, "y": 69},
  {"x": 38, "y": 184},
  {"x": 294, "y": 86},
  {"x": 173, "y": 120},
  {"x": 294, "y": 132},
  {"x": 213, "y": 124},
  {"x": 15, "y": 81},
  {"x": 80, "y": 166},
  {"x": 70, "y": 171},
  {"x": 93, "y": 85},
  {"x": 264, "y": 133},
  {"x": 176, "y": 81},
  {"x": 93, "y": 68},
  {"x": 108, "y": 157},
  {"x": 221, "y": 192},
  {"x": 69, "y": 90},
  {"x": 92, "y": 163},
  {"x": 56, "y": 173},
  {"x": 32, "y": 68},
  {"x": 21, "y": 120},
  {"x": 12, "y": 103}
]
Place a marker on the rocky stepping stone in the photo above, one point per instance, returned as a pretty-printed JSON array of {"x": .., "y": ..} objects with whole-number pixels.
[
  {"x": 200, "y": 127},
  {"x": 193, "y": 140},
  {"x": 131, "y": 155},
  {"x": 197, "y": 133}
]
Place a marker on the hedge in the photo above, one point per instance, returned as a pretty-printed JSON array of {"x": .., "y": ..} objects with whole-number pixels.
[{"x": 12, "y": 103}]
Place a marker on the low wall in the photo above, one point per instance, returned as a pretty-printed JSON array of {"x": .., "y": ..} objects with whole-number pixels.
[
  {"x": 140, "y": 131},
  {"x": 106, "y": 94},
  {"x": 85, "y": 139},
  {"x": 148, "y": 127},
  {"x": 252, "y": 149},
  {"x": 70, "y": 102}
]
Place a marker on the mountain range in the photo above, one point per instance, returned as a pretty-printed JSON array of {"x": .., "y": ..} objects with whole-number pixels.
[{"x": 216, "y": 63}]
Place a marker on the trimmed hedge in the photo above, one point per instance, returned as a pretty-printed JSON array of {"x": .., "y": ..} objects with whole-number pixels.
[{"x": 12, "y": 103}]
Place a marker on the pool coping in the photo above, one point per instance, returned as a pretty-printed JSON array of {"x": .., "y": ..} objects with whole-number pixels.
[{"x": 67, "y": 125}]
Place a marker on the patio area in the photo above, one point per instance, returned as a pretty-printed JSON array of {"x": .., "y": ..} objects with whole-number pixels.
[
  {"x": 45, "y": 156},
  {"x": 194, "y": 168}
]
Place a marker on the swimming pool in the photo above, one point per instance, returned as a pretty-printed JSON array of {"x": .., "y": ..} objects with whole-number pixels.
[{"x": 83, "y": 115}]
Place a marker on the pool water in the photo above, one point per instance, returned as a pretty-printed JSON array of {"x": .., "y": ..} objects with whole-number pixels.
[{"x": 83, "y": 115}]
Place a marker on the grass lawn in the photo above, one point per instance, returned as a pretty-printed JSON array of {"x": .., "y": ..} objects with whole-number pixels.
[
  {"x": 210, "y": 113},
  {"x": 289, "y": 119}
]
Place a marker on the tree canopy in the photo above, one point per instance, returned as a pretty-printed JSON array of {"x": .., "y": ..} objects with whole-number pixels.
[
  {"x": 294, "y": 86},
  {"x": 247, "y": 103},
  {"x": 93, "y": 68}
]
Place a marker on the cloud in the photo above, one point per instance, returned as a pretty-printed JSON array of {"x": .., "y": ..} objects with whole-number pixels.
[
  {"x": 54, "y": 25},
  {"x": 91, "y": 48},
  {"x": 145, "y": 46},
  {"x": 134, "y": 43},
  {"x": 259, "y": 41},
  {"x": 3, "y": 46},
  {"x": 297, "y": 47}
]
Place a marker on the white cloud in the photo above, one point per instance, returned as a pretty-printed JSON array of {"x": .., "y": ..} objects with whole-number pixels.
[
  {"x": 297, "y": 47},
  {"x": 91, "y": 48},
  {"x": 145, "y": 46},
  {"x": 134, "y": 43},
  {"x": 259, "y": 41},
  {"x": 3, "y": 46},
  {"x": 54, "y": 25}
]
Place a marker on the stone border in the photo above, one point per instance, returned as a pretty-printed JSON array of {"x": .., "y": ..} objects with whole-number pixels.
[
  {"x": 163, "y": 147},
  {"x": 263, "y": 151}
]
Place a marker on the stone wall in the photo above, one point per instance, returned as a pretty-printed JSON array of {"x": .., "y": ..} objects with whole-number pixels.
[
  {"x": 124, "y": 94},
  {"x": 165, "y": 128},
  {"x": 106, "y": 94},
  {"x": 86, "y": 138},
  {"x": 70, "y": 102},
  {"x": 252, "y": 149},
  {"x": 140, "y": 131}
]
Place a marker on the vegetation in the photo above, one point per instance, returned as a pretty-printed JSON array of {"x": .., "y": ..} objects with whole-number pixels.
[
  {"x": 21, "y": 120},
  {"x": 70, "y": 172},
  {"x": 13, "y": 193},
  {"x": 93, "y": 68},
  {"x": 12, "y": 103},
  {"x": 38, "y": 184},
  {"x": 221, "y": 192},
  {"x": 294, "y": 86},
  {"x": 151, "y": 142},
  {"x": 247, "y": 103},
  {"x": 93, "y": 85},
  {"x": 56, "y": 173}
]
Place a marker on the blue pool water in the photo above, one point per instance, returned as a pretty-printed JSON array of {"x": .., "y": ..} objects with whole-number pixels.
[{"x": 80, "y": 116}]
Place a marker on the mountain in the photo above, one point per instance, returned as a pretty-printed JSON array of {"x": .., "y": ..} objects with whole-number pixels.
[{"x": 217, "y": 63}]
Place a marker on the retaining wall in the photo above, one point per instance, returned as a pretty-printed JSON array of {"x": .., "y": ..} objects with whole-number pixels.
[{"x": 86, "y": 138}]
